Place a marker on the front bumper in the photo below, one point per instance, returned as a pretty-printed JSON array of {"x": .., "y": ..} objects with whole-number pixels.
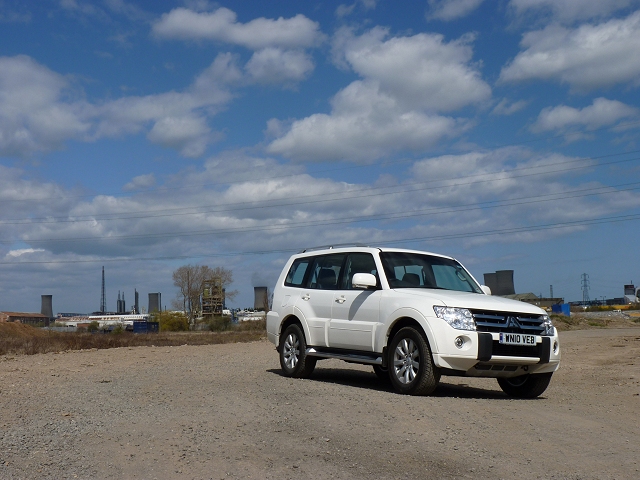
[{"x": 482, "y": 355}]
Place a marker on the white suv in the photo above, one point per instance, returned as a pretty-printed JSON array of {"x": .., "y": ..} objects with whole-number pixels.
[{"x": 412, "y": 315}]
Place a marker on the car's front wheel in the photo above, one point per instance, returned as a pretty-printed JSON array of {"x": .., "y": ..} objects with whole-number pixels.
[
  {"x": 411, "y": 367},
  {"x": 293, "y": 358},
  {"x": 525, "y": 386},
  {"x": 381, "y": 372}
]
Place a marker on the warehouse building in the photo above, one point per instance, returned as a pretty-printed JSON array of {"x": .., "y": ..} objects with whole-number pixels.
[{"x": 24, "y": 317}]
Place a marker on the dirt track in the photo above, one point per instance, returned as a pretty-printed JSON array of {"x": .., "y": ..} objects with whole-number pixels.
[{"x": 224, "y": 411}]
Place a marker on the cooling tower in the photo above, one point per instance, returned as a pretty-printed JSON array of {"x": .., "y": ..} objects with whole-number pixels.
[
  {"x": 504, "y": 282},
  {"x": 491, "y": 282},
  {"x": 261, "y": 298},
  {"x": 500, "y": 283},
  {"x": 47, "y": 306},
  {"x": 155, "y": 302}
]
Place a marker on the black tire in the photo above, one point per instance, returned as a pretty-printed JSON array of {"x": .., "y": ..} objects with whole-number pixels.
[
  {"x": 381, "y": 372},
  {"x": 411, "y": 368},
  {"x": 525, "y": 386},
  {"x": 293, "y": 358}
]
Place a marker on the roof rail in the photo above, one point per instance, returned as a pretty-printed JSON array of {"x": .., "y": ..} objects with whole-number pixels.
[{"x": 330, "y": 247}]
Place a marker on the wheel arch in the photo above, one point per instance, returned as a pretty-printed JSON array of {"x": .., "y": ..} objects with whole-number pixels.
[
  {"x": 415, "y": 320},
  {"x": 290, "y": 320}
]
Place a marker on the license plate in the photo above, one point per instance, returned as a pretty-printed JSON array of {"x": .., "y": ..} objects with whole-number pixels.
[{"x": 517, "y": 339}]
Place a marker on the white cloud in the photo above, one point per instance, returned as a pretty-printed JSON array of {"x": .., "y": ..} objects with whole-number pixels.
[
  {"x": 190, "y": 135},
  {"x": 530, "y": 187},
  {"x": 407, "y": 80},
  {"x": 421, "y": 70},
  {"x": 588, "y": 57},
  {"x": 278, "y": 45},
  {"x": 365, "y": 124},
  {"x": 275, "y": 66},
  {"x": 600, "y": 113},
  {"x": 19, "y": 195},
  {"x": 571, "y": 10},
  {"x": 140, "y": 182},
  {"x": 505, "y": 107},
  {"x": 222, "y": 25},
  {"x": 448, "y": 10},
  {"x": 344, "y": 10},
  {"x": 33, "y": 115},
  {"x": 36, "y": 116},
  {"x": 23, "y": 251}
]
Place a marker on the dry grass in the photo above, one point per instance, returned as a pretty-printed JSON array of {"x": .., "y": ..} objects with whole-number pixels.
[
  {"x": 584, "y": 321},
  {"x": 18, "y": 339}
]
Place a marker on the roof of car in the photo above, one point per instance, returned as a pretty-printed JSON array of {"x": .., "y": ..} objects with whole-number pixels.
[{"x": 362, "y": 248}]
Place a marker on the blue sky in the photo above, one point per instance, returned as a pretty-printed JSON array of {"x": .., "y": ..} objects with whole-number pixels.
[{"x": 143, "y": 136}]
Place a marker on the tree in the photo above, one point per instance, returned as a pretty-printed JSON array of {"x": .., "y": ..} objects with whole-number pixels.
[
  {"x": 171, "y": 321},
  {"x": 190, "y": 281}
]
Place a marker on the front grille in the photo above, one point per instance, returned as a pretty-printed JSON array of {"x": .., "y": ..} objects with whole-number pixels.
[{"x": 508, "y": 322}]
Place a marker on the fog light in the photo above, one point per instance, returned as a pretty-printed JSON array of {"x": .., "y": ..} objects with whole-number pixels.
[
  {"x": 555, "y": 346},
  {"x": 459, "y": 341}
]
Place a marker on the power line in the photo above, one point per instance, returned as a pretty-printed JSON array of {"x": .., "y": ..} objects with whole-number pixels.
[
  {"x": 506, "y": 231},
  {"x": 322, "y": 198},
  {"x": 277, "y": 177},
  {"x": 357, "y": 219}
]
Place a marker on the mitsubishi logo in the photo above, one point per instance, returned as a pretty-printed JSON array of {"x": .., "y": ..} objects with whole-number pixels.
[{"x": 512, "y": 322}]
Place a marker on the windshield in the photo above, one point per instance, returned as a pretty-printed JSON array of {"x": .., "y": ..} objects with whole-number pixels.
[{"x": 415, "y": 270}]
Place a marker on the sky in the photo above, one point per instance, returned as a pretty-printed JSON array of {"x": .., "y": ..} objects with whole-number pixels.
[{"x": 146, "y": 135}]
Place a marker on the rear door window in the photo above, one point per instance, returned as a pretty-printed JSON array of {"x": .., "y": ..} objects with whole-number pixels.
[{"x": 326, "y": 270}]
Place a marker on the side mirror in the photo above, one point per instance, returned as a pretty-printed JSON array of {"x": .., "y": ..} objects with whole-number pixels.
[
  {"x": 363, "y": 281},
  {"x": 485, "y": 289}
]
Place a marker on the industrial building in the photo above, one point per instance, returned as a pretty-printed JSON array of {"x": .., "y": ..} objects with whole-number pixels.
[
  {"x": 213, "y": 298},
  {"x": 533, "y": 299},
  {"x": 24, "y": 317}
]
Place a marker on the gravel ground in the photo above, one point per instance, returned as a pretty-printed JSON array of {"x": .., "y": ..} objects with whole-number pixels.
[{"x": 224, "y": 411}]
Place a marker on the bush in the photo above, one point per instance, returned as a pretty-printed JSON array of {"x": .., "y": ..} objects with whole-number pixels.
[
  {"x": 93, "y": 326},
  {"x": 220, "y": 324},
  {"x": 117, "y": 330},
  {"x": 18, "y": 339},
  {"x": 171, "y": 321}
]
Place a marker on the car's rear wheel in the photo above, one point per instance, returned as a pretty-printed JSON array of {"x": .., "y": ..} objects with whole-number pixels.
[
  {"x": 525, "y": 386},
  {"x": 293, "y": 358},
  {"x": 411, "y": 367}
]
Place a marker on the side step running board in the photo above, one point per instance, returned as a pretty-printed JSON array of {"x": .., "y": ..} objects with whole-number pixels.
[{"x": 347, "y": 357}]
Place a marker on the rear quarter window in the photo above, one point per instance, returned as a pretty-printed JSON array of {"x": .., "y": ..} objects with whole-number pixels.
[{"x": 295, "y": 276}]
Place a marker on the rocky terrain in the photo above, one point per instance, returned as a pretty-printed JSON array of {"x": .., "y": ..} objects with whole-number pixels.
[{"x": 224, "y": 411}]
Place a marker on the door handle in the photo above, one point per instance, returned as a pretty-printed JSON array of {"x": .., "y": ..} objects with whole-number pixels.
[
  {"x": 306, "y": 296},
  {"x": 341, "y": 299}
]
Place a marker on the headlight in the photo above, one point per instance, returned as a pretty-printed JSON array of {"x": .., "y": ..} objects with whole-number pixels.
[
  {"x": 547, "y": 324},
  {"x": 459, "y": 318}
]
